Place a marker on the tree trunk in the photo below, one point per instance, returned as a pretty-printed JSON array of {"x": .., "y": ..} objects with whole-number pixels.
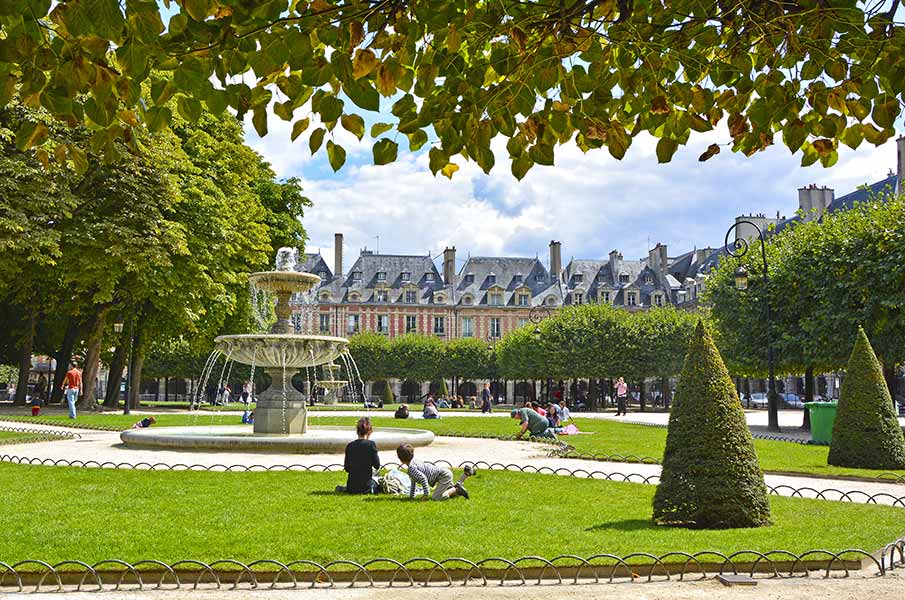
[
  {"x": 63, "y": 356},
  {"x": 665, "y": 392},
  {"x": 889, "y": 374},
  {"x": 92, "y": 360},
  {"x": 138, "y": 359},
  {"x": 28, "y": 341},
  {"x": 641, "y": 394},
  {"x": 808, "y": 397},
  {"x": 115, "y": 376}
]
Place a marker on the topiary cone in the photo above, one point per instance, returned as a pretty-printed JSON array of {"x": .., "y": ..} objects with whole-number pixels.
[
  {"x": 866, "y": 433},
  {"x": 711, "y": 477},
  {"x": 387, "y": 394}
]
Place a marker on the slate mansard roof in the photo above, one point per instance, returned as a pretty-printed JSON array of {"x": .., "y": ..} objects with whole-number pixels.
[
  {"x": 510, "y": 276},
  {"x": 590, "y": 277}
]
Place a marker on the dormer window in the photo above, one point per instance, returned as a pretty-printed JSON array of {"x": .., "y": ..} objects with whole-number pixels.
[
  {"x": 411, "y": 297},
  {"x": 550, "y": 301},
  {"x": 600, "y": 277},
  {"x": 496, "y": 299},
  {"x": 605, "y": 297},
  {"x": 491, "y": 279},
  {"x": 325, "y": 297},
  {"x": 381, "y": 296},
  {"x": 517, "y": 279},
  {"x": 524, "y": 299},
  {"x": 623, "y": 278},
  {"x": 356, "y": 276},
  {"x": 429, "y": 277},
  {"x": 658, "y": 299},
  {"x": 539, "y": 277},
  {"x": 631, "y": 299},
  {"x": 381, "y": 276},
  {"x": 469, "y": 278},
  {"x": 439, "y": 298},
  {"x": 406, "y": 276},
  {"x": 577, "y": 298},
  {"x": 579, "y": 278},
  {"x": 648, "y": 279},
  {"x": 354, "y": 297},
  {"x": 322, "y": 275},
  {"x": 467, "y": 299}
]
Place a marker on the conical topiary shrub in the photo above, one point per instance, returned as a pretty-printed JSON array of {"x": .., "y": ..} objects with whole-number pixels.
[
  {"x": 711, "y": 477},
  {"x": 866, "y": 433},
  {"x": 386, "y": 393}
]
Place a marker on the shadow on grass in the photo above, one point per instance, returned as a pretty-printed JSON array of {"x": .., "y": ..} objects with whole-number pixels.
[{"x": 624, "y": 525}]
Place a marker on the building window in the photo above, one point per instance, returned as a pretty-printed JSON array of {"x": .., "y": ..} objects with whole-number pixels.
[
  {"x": 577, "y": 298},
  {"x": 631, "y": 299},
  {"x": 352, "y": 324},
  {"x": 411, "y": 323},
  {"x": 522, "y": 321},
  {"x": 605, "y": 297},
  {"x": 648, "y": 279},
  {"x": 523, "y": 299},
  {"x": 325, "y": 323},
  {"x": 495, "y": 328},
  {"x": 517, "y": 279},
  {"x": 550, "y": 300},
  {"x": 322, "y": 275},
  {"x": 325, "y": 297},
  {"x": 539, "y": 277},
  {"x": 658, "y": 300},
  {"x": 383, "y": 323},
  {"x": 467, "y": 300},
  {"x": 380, "y": 296},
  {"x": 439, "y": 299},
  {"x": 356, "y": 276},
  {"x": 439, "y": 325},
  {"x": 623, "y": 278},
  {"x": 406, "y": 276},
  {"x": 496, "y": 299},
  {"x": 467, "y": 327},
  {"x": 429, "y": 277},
  {"x": 491, "y": 279},
  {"x": 411, "y": 297},
  {"x": 381, "y": 276},
  {"x": 579, "y": 277}
]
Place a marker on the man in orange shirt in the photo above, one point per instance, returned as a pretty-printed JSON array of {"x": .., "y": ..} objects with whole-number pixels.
[{"x": 72, "y": 385}]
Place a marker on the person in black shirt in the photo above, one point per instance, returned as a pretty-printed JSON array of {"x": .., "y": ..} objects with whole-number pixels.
[{"x": 361, "y": 461}]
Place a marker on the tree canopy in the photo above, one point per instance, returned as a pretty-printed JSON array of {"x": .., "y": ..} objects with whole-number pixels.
[{"x": 457, "y": 74}]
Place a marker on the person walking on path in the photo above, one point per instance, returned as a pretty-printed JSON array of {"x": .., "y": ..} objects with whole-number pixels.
[
  {"x": 486, "y": 399},
  {"x": 361, "y": 461},
  {"x": 72, "y": 386},
  {"x": 426, "y": 474},
  {"x": 621, "y": 393}
]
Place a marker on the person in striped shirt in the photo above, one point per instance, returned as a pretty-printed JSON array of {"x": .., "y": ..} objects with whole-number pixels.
[{"x": 426, "y": 474}]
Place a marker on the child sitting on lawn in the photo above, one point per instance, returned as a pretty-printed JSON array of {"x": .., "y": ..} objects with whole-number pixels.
[
  {"x": 428, "y": 474},
  {"x": 145, "y": 423}
]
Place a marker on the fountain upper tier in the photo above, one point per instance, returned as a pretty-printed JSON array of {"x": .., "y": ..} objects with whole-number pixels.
[
  {"x": 283, "y": 282},
  {"x": 269, "y": 350}
]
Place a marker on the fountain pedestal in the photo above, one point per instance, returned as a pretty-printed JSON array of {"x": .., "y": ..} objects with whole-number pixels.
[{"x": 279, "y": 411}]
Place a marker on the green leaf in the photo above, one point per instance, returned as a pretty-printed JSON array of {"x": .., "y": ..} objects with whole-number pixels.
[
  {"x": 886, "y": 109},
  {"x": 665, "y": 149},
  {"x": 162, "y": 90},
  {"x": 189, "y": 108},
  {"x": 353, "y": 124},
  {"x": 30, "y": 135},
  {"x": 79, "y": 158},
  {"x": 794, "y": 135},
  {"x": 336, "y": 154},
  {"x": 132, "y": 57},
  {"x": 521, "y": 165},
  {"x": 712, "y": 150},
  {"x": 385, "y": 151},
  {"x": 216, "y": 102},
  {"x": 617, "y": 142},
  {"x": 542, "y": 154},
  {"x": 809, "y": 155},
  {"x": 417, "y": 140},
  {"x": 299, "y": 128},
  {"x": 158, "y": 117},
  {"x": 259, "y": 120},
  {"x": 197, "y": 9},
  {"x": 377, "y": 129},
  {"x": 330, "y": 108},
  {"x": 437, "y": 160},
  {"x": 107, "y": 19},
  {"x": 316, "y": 139},
  {"x": 363, "y": 94},
  {"x": 7, "y": 89}
]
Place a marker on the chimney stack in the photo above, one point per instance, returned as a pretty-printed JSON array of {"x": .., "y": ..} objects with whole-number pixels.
[
  {"x": 900, "y": 181},
  {"x": 449, "y": 265},
  {"x": 555, "y": 260},
  {"x": 615, "y": 264},
  {"x": 337, "y": 254},
  {"x": 657, "y": 257}
]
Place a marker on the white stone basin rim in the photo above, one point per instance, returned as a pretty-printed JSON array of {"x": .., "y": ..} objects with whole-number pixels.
[
  {"x": 239, "y": 438},
  {"x": 283, "y": 281},
  {"x": 272, "y": 350}
]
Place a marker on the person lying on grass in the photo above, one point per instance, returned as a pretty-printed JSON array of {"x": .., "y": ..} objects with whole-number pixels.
[
  {"x": 532, "y": 423},
  {"x": 145, "y": 423},
  {"x": 428, "y": 474},
  {"x": 361, "y": 461}
]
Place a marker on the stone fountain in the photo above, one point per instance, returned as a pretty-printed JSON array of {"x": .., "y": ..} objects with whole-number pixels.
[
  {"x": 280, "y": 417},
  {"x": 281, "y": 352},
  {"x": 331, "y": 383}
]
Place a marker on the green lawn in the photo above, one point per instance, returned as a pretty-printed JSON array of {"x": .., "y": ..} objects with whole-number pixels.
[
  {"x": 16, "y": 437},
  {"x": 606, "y": 438},
  {"x": 92, "y": 514}
]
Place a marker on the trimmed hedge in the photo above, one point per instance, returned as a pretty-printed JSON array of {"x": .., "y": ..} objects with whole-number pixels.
[
  {"x": 711, "y": 477},
  {"x": 866, "y": 433}
]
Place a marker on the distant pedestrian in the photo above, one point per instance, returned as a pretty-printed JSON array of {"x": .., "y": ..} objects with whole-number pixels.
[
  {"x": 246, "y": 393},
  {"x": 72, "y": 386},
  {"x": 11, "y": 391},
  {"x": 621, "y": 393},
  {"x": 486, "y": 399}
]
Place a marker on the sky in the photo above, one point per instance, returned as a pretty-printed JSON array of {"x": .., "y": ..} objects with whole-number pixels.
[{"x": 592, "y": 203}]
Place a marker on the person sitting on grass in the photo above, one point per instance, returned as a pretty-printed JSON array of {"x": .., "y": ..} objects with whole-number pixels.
[
  {"x": 532, "y": 423},
  {"x": 430, "y": 410},
  {"x": 145, "y": 423},
  {"x": 402, "y": 412},
  {"x": 428, "y": 474},
  {"x": 563, "y": 412},
  {"x": 361, "y": 461}
]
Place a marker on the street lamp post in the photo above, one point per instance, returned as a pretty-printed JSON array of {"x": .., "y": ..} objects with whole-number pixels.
[
  {"x": 737, "y": 249},
  {"x": 118, "y": 328},
  {"x": 536, "y": 315}
]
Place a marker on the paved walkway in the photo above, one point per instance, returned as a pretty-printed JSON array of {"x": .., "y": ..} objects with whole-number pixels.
[{"x": 105, "y": 448}]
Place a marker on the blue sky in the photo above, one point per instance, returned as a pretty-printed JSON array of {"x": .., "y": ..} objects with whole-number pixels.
[{"x": 591, "y": 202}]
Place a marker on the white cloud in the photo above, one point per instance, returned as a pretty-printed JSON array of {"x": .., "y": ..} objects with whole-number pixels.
[{"x": 590, "y": 202}]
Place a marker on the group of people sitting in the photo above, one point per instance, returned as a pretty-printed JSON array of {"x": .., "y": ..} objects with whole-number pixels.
[
  {"x": 362, "y": 463},
  {"x": 537, "y": 421}
]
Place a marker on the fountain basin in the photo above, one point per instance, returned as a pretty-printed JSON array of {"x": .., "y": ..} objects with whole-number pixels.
[
  {"x": 277, "y": 350},
  {"x": 283, "y": 281},
  {"x": 239, "y": 438}
]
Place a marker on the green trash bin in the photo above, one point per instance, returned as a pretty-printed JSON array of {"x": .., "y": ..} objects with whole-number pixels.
[{"x": 823, "y": 415}]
